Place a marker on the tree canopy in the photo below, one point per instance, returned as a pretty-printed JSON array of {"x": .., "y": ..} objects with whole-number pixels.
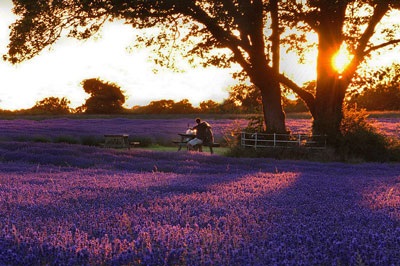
[
  {"x": 105, "y": 97},
  {"x": 166, "y": 107},
  {"x": 249, "y": 33}
]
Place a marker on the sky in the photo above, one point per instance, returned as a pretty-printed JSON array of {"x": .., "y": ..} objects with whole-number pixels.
[{"x": 59, "y": 70}]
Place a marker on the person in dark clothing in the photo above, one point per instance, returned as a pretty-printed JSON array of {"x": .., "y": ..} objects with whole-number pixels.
[{"x": 204, "y": 135}]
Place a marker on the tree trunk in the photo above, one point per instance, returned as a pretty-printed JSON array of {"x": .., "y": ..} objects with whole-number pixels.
[
  {"x": 330, "y": 93},
  {"x": 268, "y": 81},
  {"x": 328, "y": 108},
  {"x": 330, "y": 88},
  {"x": 274, "y": 115}
]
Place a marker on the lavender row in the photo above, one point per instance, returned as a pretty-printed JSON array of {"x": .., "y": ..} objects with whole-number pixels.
[
  {"x": 157, "y": 130},
  {"x": 76, "y": 205}
]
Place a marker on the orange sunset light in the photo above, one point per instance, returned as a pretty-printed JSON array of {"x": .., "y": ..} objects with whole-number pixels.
[{"x": 342, "y": 59}]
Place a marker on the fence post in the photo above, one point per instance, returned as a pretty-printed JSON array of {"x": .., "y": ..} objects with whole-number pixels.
[
  {"x": 255, "y": 141},
  {"x": 274, "y": 139},
  {"x": 299, "y": 140}
]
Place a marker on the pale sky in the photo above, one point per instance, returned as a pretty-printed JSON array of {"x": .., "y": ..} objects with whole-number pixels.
[{"x": 59, "y": 70}]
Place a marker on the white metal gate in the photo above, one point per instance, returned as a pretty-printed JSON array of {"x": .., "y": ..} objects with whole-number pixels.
[{"x": 262, "y": 140}]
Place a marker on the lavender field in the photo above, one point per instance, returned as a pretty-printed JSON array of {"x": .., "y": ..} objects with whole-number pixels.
[
  {"x": 64, "y": 204},
  {"x": 158, "y": 131}
]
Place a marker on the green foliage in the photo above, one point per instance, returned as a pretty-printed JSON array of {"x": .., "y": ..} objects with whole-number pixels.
[
  {"x": 360, "y": 140},
  {"x": 105, "y": 98}
]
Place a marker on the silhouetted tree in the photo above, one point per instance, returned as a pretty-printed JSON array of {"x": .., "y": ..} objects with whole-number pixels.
[
  {"x": 337, "y": 22},
  {"x": 159, "y": 107},
  {"x": 105, "y": 98},
  {"x": 51, "y": 105},
  {"x": 209, "y": 106},
  {"x": 229, "y": 107},
  {"x": 183, "y": 107},
  {"x": 294, "y": 106}
]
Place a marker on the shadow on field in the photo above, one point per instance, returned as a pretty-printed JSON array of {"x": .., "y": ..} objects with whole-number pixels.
[{"x": 159, "y": 208}]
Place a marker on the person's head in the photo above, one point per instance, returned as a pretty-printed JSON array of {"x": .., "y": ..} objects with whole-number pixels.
[{"x": 198, "y": 120}]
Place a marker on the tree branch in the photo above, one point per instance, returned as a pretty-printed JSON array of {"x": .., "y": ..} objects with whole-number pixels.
[
  {"x": 306, "y": 96},
  {"x": 222, "y": 36},
  {"x": 360, "y": 53},
  {"x": 382, "y": 45}
]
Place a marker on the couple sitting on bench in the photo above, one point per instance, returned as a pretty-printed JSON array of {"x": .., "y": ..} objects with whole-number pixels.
[{"x": 204, "y": 136}]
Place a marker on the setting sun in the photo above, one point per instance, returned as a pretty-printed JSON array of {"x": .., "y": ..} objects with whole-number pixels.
[{"x": 341, "y": 60}]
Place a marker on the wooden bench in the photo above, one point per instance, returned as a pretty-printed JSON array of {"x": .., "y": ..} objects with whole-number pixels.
[
  {"x": 197, "y": 147},
  {"x": 210, "y": 145},
  {"x": 185, "y": 138}
]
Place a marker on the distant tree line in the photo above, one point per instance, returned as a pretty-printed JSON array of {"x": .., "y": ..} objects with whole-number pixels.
[
  {"x": 376, "y": 91},
  {"x": 380, "y": 90}
]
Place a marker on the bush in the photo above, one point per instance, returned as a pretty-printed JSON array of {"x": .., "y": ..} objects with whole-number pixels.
[
  {"x": 360, "y": 140},
  {"x": 91, "y": 140},
  {"x": 42, "y": 139},
  {"x": 66, "y": 139},
  {"x": 394, "y": 150}
]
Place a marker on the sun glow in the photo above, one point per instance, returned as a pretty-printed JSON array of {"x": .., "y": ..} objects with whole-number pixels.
[{"x": 342, "y": 59}]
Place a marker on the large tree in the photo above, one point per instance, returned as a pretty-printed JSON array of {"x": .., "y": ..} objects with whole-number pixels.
[
  {"x": 105, "y": 97},
  {"x": 339, "y": 23},
  {"x": 247, "y": 32}
]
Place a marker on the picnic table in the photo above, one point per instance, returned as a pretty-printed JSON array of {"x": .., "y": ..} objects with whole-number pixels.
[{"x": 185, "y": 138}]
